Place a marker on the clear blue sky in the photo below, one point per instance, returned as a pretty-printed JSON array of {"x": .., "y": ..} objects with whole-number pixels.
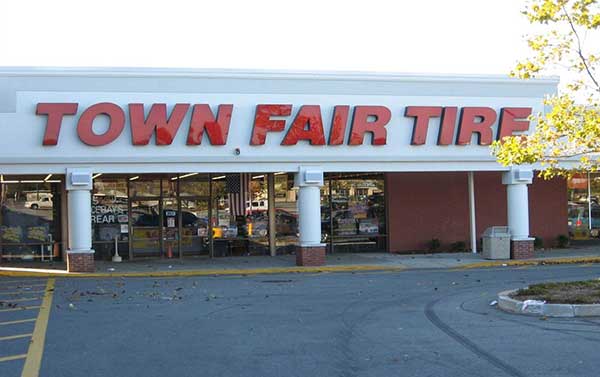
[{"x": 460, "y": 36}]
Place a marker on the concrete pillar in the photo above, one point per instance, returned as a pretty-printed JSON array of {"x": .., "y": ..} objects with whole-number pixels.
[
  {"x": 472, "y": 220},
  {"x": 518, "y": 210},
  {"x": 80, "y": 255},
  {"x": 310, "y": 251},
  {"x": 516, "y": 181}
]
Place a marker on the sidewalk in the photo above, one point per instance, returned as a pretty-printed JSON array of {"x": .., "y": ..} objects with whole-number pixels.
[{"x": 195, "y": 266}]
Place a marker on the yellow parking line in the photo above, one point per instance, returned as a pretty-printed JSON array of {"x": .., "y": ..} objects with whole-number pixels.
[
  {"x": 20, "y": 308},
  {"x": 22, "y": 299},
  {"x": 36, "y": 345},
  {"x": 12, "y": 357},
  {"x": 11, "y": 337},
  {"x": 17, "y": 321},
  {"x": 19, "y": 292}
]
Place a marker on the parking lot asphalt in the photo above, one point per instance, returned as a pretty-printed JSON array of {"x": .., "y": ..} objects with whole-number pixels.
[
  {"x": 409, "y": 323},
  {"x": 24, "y": 311}
]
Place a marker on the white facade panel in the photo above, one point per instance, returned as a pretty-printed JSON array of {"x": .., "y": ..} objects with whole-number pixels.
[{"x": 21, "y": 149}]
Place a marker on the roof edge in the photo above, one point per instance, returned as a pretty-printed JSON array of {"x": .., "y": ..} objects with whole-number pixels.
[{"x": 141, "y": 72}]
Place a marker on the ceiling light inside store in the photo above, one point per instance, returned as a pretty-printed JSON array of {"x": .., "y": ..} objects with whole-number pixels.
[
  {"x": 96, "y": 176},
  {"x": 3, "y": 181},
  {"x": 47, "y": 177},
  {"x": 134, "y": 178},
  {"x": 183, "y": 176},
  {"x": 217, "y": 178},
  {"x": 187, "y": 175}
]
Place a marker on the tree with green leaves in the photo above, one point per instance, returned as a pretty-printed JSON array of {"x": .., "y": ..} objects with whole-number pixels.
[{"x": 568, "y": 45}]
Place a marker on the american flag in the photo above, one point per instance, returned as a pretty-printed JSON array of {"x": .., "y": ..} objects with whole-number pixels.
[{"x": 238, "y": 193}]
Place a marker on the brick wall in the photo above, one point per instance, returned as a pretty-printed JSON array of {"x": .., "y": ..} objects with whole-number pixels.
[
  {"x": 422, "y": 206},
  {"x": 548, "y": 210}
]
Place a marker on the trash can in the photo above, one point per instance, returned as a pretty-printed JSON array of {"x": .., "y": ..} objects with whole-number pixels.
[{"x": 496, "y": 243}]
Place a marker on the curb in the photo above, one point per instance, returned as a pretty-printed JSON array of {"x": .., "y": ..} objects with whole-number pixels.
[
  {"x": 531, "y": 262},
  {"x": 508, "y": 304},
  {"x": 10, "y": 272},
  {"x": 24, "y": 272}
]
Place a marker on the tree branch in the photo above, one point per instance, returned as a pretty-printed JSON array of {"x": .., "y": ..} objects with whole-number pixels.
[{"x": 579, "y": 49}]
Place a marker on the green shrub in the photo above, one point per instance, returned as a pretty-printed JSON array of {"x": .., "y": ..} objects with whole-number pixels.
[
  {"x": 458, "y": 247},
  {"x": 538, "y": 242},
  {"x": 434, "y": 244},
  {"x": 562, "y": 241}
]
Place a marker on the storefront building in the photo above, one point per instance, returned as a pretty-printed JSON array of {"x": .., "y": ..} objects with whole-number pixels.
[{"x": 175, "y": 164}]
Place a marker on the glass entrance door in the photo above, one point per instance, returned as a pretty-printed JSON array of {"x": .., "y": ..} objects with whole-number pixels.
[
  {"x": 195, "y": 225},
  {"x": 145, "y": 227}
]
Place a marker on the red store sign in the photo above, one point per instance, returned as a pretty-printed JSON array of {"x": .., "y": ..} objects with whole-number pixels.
[{"x": 306, "y": 125}]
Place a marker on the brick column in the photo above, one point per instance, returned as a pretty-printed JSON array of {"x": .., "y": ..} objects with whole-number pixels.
[
  {"x": 80, "y": 262},
  {"x": 310, "y": 256},
  {"x": 521, "y": 249}
]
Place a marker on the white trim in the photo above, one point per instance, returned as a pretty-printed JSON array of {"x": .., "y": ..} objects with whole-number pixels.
[{"x": 133, "y": 72}]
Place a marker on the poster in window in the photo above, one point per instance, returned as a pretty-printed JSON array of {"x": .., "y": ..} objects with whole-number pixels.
[
  {"x": 37, "y": 233},
  {"x": 170, "y": 222},
  {"x": 11, "y": 233},
  {"x": 368, "y": 226},
  {"x": 346, "y": 227}
]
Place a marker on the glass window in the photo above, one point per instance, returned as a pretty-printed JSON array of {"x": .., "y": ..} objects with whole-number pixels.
[
  {"x": 194, "y": 219},
  {"x": 110, "y": 220},
  {"x": 239, "y": 226},
  {"x": 144, "y": 186},
  {"x": 595, "y": 204},
  {"x": 193, "y": 184},
  {"x": 578, "y": 211},
  {"x": 169, "y": 186},
  {"x": 355, "y": 220},
  {"x": 146, "y": 227},
  {"x": 286, "y": 213},
  {"x": 28, "y": 207}
]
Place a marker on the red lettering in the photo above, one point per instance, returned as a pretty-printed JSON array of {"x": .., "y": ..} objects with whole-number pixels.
[
  {"x": 422, "y": 115},
  {"x": 55, "y": 113},
  {"x": 217, "y": 130},
  {"x": 308, "y": 115},
  {"x": 85, "y": 128},
  {"x": 361, "y": 124},
  {"x": 156, "y": 122},
  {"x": 477, "y": 120},
  {"x": 513, "y": 119},
  {"x": 338, "y": 125},
  {"x": 263, "y": 122},
  {"x": 447, "y": 124}
]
